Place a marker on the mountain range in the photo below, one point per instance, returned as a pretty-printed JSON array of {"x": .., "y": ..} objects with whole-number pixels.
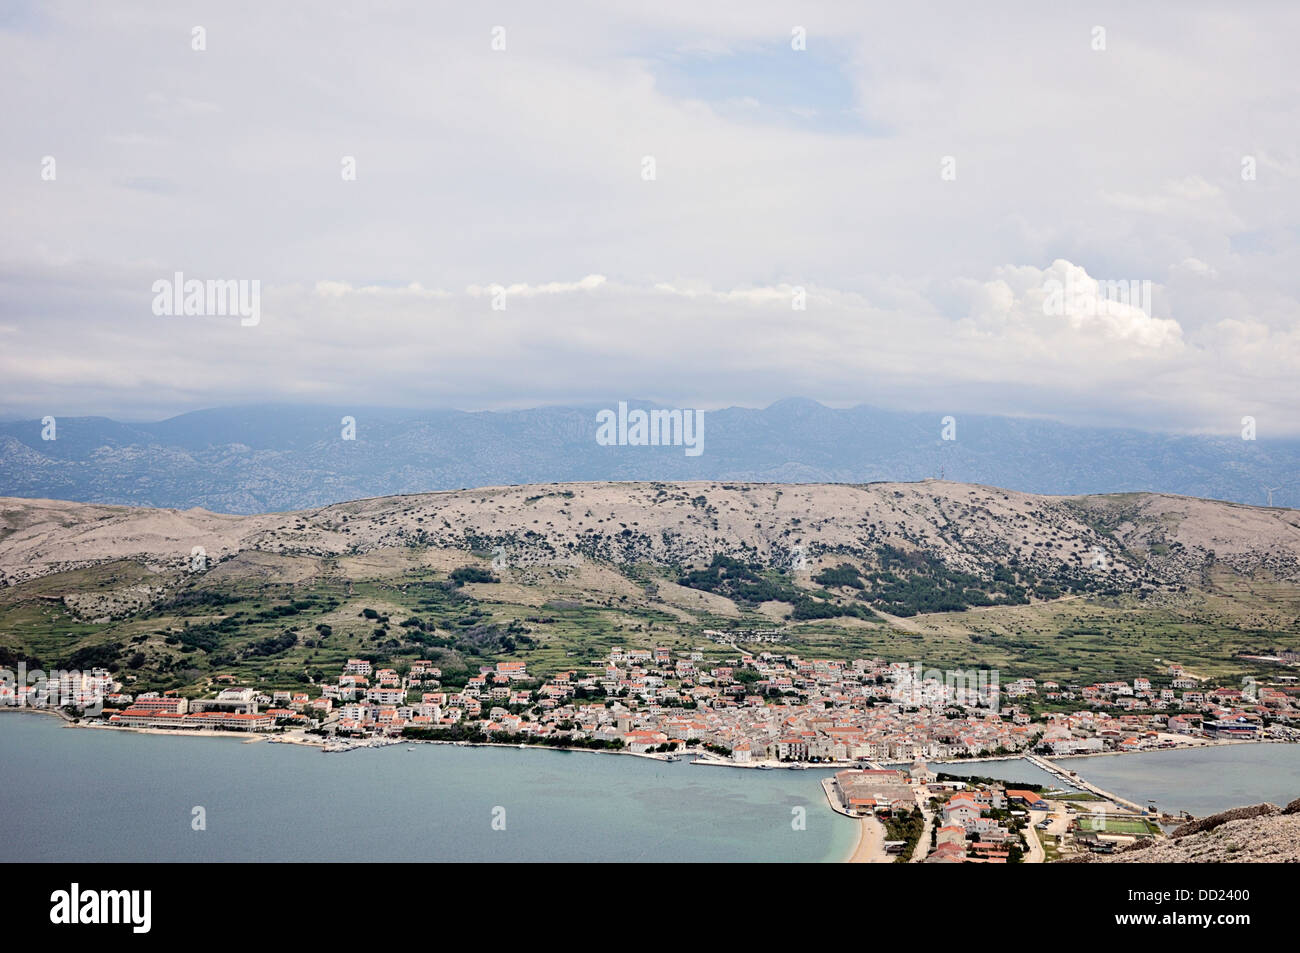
[{"x": 272, "y": 458}]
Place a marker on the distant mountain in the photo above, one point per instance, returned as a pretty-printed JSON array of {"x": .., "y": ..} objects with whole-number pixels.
[{"x": 277, "y": 457}]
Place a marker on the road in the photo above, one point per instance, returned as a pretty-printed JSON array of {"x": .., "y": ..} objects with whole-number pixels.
[
  {"x": 923, "y": 845},
  {"x": 1058, "y": 822},
  {"x": 1036, "y": 854}
]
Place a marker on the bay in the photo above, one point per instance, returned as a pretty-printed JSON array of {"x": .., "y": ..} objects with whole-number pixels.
[{"x": 77, "y": 794}]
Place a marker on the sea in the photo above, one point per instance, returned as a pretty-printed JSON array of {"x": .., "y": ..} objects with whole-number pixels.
[
  {"x": 86, "y": 795},
  {"x": 89, "y": 795}
]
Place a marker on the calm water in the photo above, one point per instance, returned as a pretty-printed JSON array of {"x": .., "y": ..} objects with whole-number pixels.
[
  {"x": 83, "y": 795},
  {"x": 1200, "y": 780},
  {"x": 1009, "y": 770}
]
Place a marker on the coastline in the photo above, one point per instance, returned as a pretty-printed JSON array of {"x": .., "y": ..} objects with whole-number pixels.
[
  {"x": 701, "y": 758},
  {"x": 1195, "y": 744},
  {"x": 315, "y": 741},
  {"x": 864, "y": 847},
  {"x": 37, "y": 711},
  {"x": 870, "y": 845},
  {"x": 870, "y": 848}
]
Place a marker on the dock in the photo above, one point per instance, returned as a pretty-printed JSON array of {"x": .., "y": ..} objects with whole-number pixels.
[{"x": 1078, "y": 782}]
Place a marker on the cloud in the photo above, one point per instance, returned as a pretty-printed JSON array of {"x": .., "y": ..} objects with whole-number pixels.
[
  {"x": 525, "y": 290},
  {"x": 340, "y": 289},
  {"x": 777, "y": 171},
  {"x": 1065, "y": 298},
  {"x": 989, "y": 345}
]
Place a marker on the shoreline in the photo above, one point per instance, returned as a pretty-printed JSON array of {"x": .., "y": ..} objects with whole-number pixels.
[
  {"x": 322, "y": 744},
  {"x": 870, "y": 845},
  {"x": 253, "y": 737},
  {"x": 702, "y": 758},
  {"x": 866, "y": 847},
  {"x": 870, "y": 848}
]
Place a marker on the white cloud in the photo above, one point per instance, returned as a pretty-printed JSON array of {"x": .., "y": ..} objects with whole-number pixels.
[{"x": 525, "y": 290}]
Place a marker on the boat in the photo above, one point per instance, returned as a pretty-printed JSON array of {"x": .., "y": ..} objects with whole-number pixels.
[
  {"x": 673, "y": 757},
  {"x": 800, "y": 766}
]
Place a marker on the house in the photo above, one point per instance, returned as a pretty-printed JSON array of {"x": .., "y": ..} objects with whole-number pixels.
[
  {"x": 947, "y": 853},
  {"x": 639, "y": 742},
  {"x": 792, "y": 749},
  {"x": 961, "y": 813},
  {"x": 951, "y": 834},
  {"x": 1027, "y": 799}
]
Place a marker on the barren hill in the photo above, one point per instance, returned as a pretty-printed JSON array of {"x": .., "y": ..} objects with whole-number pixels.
[
  {"x": 1133, "y": 539},
  {"x": 1067, "y": 588}
]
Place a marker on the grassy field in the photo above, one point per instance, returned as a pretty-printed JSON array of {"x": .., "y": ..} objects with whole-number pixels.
[{"x": 1109, "y": 824}]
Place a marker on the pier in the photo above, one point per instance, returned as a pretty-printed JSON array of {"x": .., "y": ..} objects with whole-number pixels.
[{"x": 1078, "y": 782}]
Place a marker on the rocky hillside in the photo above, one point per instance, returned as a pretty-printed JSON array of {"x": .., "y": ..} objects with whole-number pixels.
[
  {"x": 1066, "y": 588},
  {"x": 1122, "y": 542}
]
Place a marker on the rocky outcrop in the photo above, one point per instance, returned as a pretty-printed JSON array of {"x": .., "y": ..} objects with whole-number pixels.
[
  {"x": 1262, "y": 833},
  {"x": 1223, "y": 817}
]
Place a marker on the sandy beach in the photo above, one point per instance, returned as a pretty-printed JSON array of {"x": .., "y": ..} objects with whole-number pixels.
[{"x": 871, "y": 843}]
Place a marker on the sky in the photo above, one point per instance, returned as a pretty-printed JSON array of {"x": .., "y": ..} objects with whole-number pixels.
[{"x": 848, "y": 202}]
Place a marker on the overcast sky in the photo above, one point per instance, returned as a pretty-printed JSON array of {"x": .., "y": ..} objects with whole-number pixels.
[{"x": 775, "y": 169}]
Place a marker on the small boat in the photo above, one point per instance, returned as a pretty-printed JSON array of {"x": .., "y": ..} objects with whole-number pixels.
[
  {"x": 765, "y": 767},
  {"x": 673, "y": 757},
  {"x": 799, "y": 767}
]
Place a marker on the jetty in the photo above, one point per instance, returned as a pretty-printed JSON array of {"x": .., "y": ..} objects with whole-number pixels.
[{"x": 1075, "y": 780}]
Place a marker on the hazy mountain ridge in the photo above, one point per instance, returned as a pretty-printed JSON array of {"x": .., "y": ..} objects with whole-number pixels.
[{"x": 276, "y": 458}]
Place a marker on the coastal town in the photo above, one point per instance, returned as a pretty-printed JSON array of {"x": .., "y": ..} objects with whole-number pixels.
[
  {"x": 760, "y": 710},
  {"x": 915, "y": 815},
  {"x": 882, "y": 724}
]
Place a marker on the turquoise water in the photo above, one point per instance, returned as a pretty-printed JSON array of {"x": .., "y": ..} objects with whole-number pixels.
[{"x": 85, "y": 795}]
